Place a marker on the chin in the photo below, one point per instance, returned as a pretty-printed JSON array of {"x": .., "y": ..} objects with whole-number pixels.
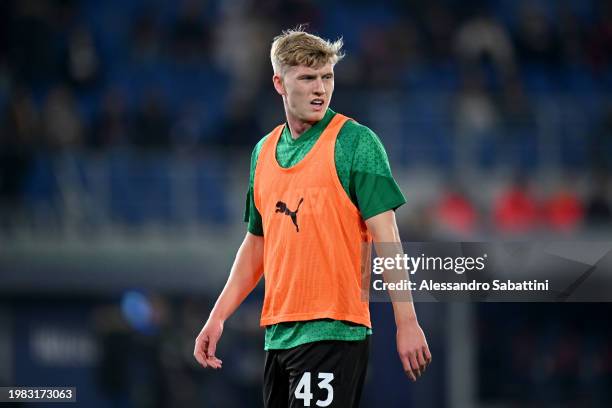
[{"x": 316, "y": 116}]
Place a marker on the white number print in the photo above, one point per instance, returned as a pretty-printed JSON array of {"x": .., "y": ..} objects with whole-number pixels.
[
  {"x": 302, "y": 391},
  {"x": 324, "y": 384}
]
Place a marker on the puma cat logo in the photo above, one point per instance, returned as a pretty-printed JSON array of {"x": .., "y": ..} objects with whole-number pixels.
[{"x": 282, "y": 208}]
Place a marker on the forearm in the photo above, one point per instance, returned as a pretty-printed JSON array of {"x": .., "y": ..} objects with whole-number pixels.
[
  {"x": 244, "y": 276},
  {"x": 388, "y": 244},
  {"x": 403, "y": 306}
]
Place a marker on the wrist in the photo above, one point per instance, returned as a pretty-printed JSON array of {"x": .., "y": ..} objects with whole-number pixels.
[
  {"x": 403, "y": 321},
  {"x": 216, "y": 317}
]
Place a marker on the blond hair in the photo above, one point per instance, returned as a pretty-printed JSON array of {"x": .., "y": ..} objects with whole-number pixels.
[{"x": 297, "y": 47}]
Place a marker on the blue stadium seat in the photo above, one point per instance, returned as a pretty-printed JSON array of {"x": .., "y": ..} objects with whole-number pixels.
[
  {"x": 140, "y": 189},
  {"x": 41, "y": 189}
]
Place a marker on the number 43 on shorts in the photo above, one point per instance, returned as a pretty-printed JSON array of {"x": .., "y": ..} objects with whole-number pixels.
[{"x": 302, "y": 391}]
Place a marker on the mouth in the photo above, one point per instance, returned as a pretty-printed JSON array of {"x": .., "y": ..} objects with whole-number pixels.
[{"x": 317, "y": 103}]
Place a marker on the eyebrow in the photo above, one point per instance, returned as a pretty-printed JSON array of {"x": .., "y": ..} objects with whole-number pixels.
[{"x": 307, "y": 76}]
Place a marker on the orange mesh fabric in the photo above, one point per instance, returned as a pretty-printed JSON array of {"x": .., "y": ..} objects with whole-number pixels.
[{"x": 313, "y": 236}]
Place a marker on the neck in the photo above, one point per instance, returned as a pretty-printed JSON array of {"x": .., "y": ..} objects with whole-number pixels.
[{"x": 297, "y": 126}]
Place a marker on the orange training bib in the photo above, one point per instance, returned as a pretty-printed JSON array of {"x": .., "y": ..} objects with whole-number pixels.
[{"x": 313, "y": 236}]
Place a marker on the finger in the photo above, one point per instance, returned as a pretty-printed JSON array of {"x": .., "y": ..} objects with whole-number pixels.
[
  {"x": 421, "y": 360},
  {"x": 405, "y": 362},
  {"x": 407, "y": 369},
  {"x": 201, "y": 358},
  {"x": 415, "y": 365},
  {"x": 427, "y": 354},
  {"x": 198, "y": 351},
  {"x": 216, "y": 360},
  {"x": 204, "y": 346},
  {"x": 411, "y": 375},
  {"x": 212, "y": 347},
  {"x": 214, "y": 363}
]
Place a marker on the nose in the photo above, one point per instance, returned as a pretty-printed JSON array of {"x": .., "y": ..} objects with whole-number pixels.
[{"x": 319, "y": 87}]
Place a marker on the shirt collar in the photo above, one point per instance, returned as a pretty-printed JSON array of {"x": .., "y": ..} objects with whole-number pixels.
[{"x": 314, "y": 130}]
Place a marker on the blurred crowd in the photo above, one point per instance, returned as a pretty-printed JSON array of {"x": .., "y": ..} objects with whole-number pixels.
[
  {"x": 553, "y": 354},
  {"x": 519, "y": 210},
  {"x": 477, "y": 84}
]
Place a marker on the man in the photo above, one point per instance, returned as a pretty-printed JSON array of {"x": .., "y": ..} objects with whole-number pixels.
[{"x": 320, "y": 187}]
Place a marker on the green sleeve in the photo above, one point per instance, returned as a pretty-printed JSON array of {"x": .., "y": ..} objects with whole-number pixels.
[
  {"x": 371, "y": 184},
  {"x": 251, "y": 214}
]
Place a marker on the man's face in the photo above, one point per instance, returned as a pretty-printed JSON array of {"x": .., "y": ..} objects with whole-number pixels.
[{"x": 307, "y": 91}]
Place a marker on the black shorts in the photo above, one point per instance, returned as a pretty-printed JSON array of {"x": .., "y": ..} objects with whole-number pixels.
[{"x": 326, "y": 373}]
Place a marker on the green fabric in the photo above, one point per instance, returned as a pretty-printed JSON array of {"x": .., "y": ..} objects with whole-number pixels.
[
  {"x": 292, "y": 334},
  {"x": 364, "y": 172}
]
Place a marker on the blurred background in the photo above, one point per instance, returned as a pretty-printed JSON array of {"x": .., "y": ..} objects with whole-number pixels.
[{"x": 126, "y": 129}]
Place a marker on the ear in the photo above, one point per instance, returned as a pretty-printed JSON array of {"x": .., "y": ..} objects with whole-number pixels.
[{"x": 278, "y": 84}]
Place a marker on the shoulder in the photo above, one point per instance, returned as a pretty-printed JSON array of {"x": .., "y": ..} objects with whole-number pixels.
[
  {"x": 255, "y": 155},
  {"x": 356, "y": 129},
  {"x": 259, "y": 145},
  {"x": 364, "y": 149},
  {"x": 257, "y": 149},
  {"x": 359, "y": 137}
]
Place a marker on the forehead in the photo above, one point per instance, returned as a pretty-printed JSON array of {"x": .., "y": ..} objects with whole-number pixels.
[{"x": 306, "y": 70}]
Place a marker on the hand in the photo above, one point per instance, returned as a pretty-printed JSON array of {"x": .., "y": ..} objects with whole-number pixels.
[
  {"x": 206, "y": 344},
  {"x": 413, "y": 349}
]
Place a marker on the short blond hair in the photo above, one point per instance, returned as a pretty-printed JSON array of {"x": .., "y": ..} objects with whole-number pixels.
[{"x": 298, "y": 47}]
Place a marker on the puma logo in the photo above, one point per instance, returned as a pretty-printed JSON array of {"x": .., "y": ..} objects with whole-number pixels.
[{"x": 282, "y": 208}]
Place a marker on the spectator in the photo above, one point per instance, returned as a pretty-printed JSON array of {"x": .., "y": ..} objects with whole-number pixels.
[
  {"x": 115, "y": 345},
  {"x": 439, "y": 29},
  {"x": 151, "y": 125},
  {"x": 456, "y": 214},
  {"x": 563, "y": 211},
  {"x": 515, "y": 210},
  {"x": 536, "y": 39},
  {"x": 598, "y": 209},
  {"x": 145, "y": 38},
  {"x": 33, "y": 47},
  {"x": 475, "y": 110},
  {"x": 111, "y": 126},
  {"x": 601, "y": 142},
  {"x": 18, "y": 133},
  {"x": 291, "y": 12},
  {"x": 600, "y": 38},
  {"x": 483, "y": 37},
  {"x": 572, "y": 37},
  {"x": 476, "y": 118},
  {"x": 61, "y": 120},
  {"x": 83, "y": 62},
  {"x": 245, "y": 65},
  {"x": 519, "y": 142},
  {"x": 187, "y": 132},
  {"x": 241, "y": 125},
  {"x": 191, "y": 37},
  {"x": 388, "y": 51}
]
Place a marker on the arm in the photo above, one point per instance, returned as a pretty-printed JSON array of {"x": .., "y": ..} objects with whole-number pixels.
[
  {"x": 244, "y": 276},
  {"x": 411, "y": 343}
]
